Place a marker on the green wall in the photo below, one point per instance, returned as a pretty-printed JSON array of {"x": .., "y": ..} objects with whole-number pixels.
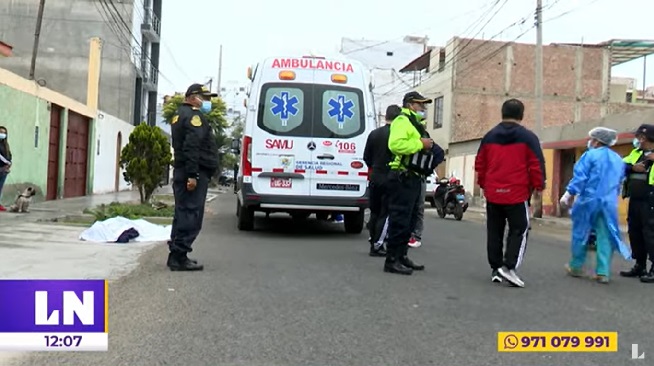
[{"x": 22, "y": 114}]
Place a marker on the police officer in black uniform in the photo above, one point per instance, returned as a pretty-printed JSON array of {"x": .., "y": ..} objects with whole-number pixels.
[
  {"x": 195, "y": 162},
  {"x": 377, "y": 157},
  {"x": 639, "y": 187}
]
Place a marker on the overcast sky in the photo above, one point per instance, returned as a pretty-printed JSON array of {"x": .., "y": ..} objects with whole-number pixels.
[{"x": 193, "y": 30}]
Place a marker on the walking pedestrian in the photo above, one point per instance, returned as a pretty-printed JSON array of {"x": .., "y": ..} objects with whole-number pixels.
[
  {"x": 510, "y": 166},
  {"x": 639, "y": 187},
  {"x": 407, "y": 141},
  {"x": 595, "y": 187},
  {"x": 377, "y": 157},
  {"x": 196, "y": 161}
]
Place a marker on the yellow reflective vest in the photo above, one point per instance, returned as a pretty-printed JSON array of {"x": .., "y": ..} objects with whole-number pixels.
[{"x": 632, "y": 159}]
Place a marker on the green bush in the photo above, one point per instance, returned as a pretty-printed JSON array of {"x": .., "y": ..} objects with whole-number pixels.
[
  {"x": 145, "y": 159},
  {"x": 129, "y": 211}
]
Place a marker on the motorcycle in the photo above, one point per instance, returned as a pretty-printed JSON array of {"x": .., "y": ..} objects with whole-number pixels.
[{"x": 450, "y": 199}]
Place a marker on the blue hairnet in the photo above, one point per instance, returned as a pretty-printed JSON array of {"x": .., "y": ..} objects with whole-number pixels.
[{"x": 604, "y": 135}]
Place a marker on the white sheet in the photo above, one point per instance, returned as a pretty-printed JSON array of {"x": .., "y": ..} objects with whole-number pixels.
[{"x": 109, "y": 230}]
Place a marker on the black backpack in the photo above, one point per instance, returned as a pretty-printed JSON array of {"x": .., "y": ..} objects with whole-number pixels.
[{"x": 423, "y": 162}]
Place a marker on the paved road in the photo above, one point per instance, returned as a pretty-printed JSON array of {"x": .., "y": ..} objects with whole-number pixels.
[{"x": 308, "y": 294}]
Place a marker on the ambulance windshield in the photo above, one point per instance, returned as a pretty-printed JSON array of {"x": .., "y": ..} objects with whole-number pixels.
[{"x": 307, "y": 110}]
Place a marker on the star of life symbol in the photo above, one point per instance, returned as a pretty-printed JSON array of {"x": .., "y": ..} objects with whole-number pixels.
[
  {"x": 284, "y": 106},
  {"x": 341, "y": 109}
]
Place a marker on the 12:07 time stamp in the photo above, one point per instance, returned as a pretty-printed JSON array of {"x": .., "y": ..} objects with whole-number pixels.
[{"x": 62, "y": 341}]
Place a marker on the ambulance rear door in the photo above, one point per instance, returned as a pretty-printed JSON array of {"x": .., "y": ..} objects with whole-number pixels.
[
  {"x": 340, "y": 130},
  {"x": 282, "y": 135}
]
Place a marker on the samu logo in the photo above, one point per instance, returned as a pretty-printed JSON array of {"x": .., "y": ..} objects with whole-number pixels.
[
  {"x": 71, "y": 306},
  {"x": 634, "y": 353}
]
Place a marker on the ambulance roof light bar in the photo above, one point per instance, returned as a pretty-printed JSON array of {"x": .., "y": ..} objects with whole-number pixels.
[{"x": 286, "y": 75}]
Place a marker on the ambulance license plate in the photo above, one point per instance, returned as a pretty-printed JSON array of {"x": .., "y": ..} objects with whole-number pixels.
[{"x": 281, "y": 183}]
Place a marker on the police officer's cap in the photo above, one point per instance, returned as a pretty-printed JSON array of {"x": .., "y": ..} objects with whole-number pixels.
[
  {"x": 199, "y": 89},
  {"x": 646, "y": 130},
  {"x": 415, "y": 97}
]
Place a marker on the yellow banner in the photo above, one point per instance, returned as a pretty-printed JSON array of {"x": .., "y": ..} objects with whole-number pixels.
[{"x": 557, "y": 341}]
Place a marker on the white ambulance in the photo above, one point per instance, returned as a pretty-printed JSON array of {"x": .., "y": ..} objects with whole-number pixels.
[{"x": 306, "y": 127}]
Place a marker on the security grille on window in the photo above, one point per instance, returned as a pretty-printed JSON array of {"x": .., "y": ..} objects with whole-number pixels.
[{"x": 438, "y": 112}]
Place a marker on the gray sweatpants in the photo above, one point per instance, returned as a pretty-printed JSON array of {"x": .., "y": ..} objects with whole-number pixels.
[{"x": 417, "y": 231}]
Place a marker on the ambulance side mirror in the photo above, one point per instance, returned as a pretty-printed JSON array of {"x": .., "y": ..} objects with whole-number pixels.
[{"x": 236, "y": 146}]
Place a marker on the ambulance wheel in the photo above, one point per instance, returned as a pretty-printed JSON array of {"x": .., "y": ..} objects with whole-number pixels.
[
  {"x": 238, "y": 208},
  {"x": 354, "y": 222},
  {"x": 245, "y": 218}
]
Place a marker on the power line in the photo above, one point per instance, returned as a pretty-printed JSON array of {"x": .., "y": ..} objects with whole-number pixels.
[
  {"x": 458, "y": 53},
  {"x": 108, "y": 11},
  {"x": 457, "y": 50},
  {"x": 415, "y": 32}
]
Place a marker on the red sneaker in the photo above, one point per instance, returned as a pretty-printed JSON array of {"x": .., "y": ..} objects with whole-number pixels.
[
  {"x": 413, "y": 243},
  {"x": 2, "y": 208}
]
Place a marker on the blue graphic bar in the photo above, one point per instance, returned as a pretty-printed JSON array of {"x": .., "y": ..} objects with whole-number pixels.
[{"x": 48, "y": 306}]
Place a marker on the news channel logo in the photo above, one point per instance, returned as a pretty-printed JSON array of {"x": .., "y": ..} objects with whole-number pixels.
[{"x": 54, "y": 315}]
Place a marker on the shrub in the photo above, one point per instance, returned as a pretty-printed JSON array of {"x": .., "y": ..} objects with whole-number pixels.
[{"x": 146, "y": 158}]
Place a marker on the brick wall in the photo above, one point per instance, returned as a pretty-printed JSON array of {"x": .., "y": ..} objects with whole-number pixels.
[{"x": 488, "y": 73}]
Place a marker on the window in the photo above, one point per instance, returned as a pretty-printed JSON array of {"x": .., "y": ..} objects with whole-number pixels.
[
  {"x": 390, "y": 53},
  {"x": 341, "y": 114},
  {"x": 281, "y": 111},
  {"x": 441, "y": 60},
  {"x": 438, "y": 112},
  {"x": 321, "y": 111}
]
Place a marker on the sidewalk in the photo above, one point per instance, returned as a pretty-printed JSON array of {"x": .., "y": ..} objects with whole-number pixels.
[{"x": 32, "y": 247}]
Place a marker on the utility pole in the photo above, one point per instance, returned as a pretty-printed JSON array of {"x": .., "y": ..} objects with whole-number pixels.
[
  {"x": 538, "y": 201},
  {"x": 220, "y": 70},
  {"x": 37, "y": 35}
]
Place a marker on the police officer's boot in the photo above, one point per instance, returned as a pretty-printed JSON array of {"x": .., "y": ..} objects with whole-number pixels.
[
  {"x": 393, "y": 265},
  {"x": 180, "y": 262},
  {"x": 649, "y": 277},
  {"x": 638, "y": 270},
  {"x": 170, "y": 243},
  {"x": 404, "y": 259}
]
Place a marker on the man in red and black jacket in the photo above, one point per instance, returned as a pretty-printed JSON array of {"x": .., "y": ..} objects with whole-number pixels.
[{"x": 510, "y": 167}]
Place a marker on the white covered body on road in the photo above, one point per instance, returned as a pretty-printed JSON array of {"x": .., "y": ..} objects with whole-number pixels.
[{"x": 109, "y": 230}]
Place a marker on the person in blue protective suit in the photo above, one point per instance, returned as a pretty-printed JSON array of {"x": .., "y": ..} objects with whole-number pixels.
[{"x": 595, "y": 185}]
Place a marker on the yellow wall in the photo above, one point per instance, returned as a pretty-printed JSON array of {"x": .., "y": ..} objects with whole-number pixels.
[
  {"x": 30, "y": 87},
  {"x": 549, "y": 173}
]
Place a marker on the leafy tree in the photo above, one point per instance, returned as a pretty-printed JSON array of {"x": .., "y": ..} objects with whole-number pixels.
[
  {"x": 237, "y": 131},
  {"x": 228, "y": 161},
  {"x": 146, "y": 158},
  {"x": 216, "y": 117}
]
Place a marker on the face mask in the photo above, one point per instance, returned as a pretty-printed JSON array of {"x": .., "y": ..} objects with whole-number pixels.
[
  {"x": 422, "y": 114},
  {"x": 588, "y": 145},
  {"x": 636, "y": 143},
  {"x": 3, "y": 136},
  {"x": 206, "y": 106}
]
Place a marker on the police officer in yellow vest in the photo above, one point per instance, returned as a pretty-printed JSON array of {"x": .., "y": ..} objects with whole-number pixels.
[{"x": 639, "y": 187}]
